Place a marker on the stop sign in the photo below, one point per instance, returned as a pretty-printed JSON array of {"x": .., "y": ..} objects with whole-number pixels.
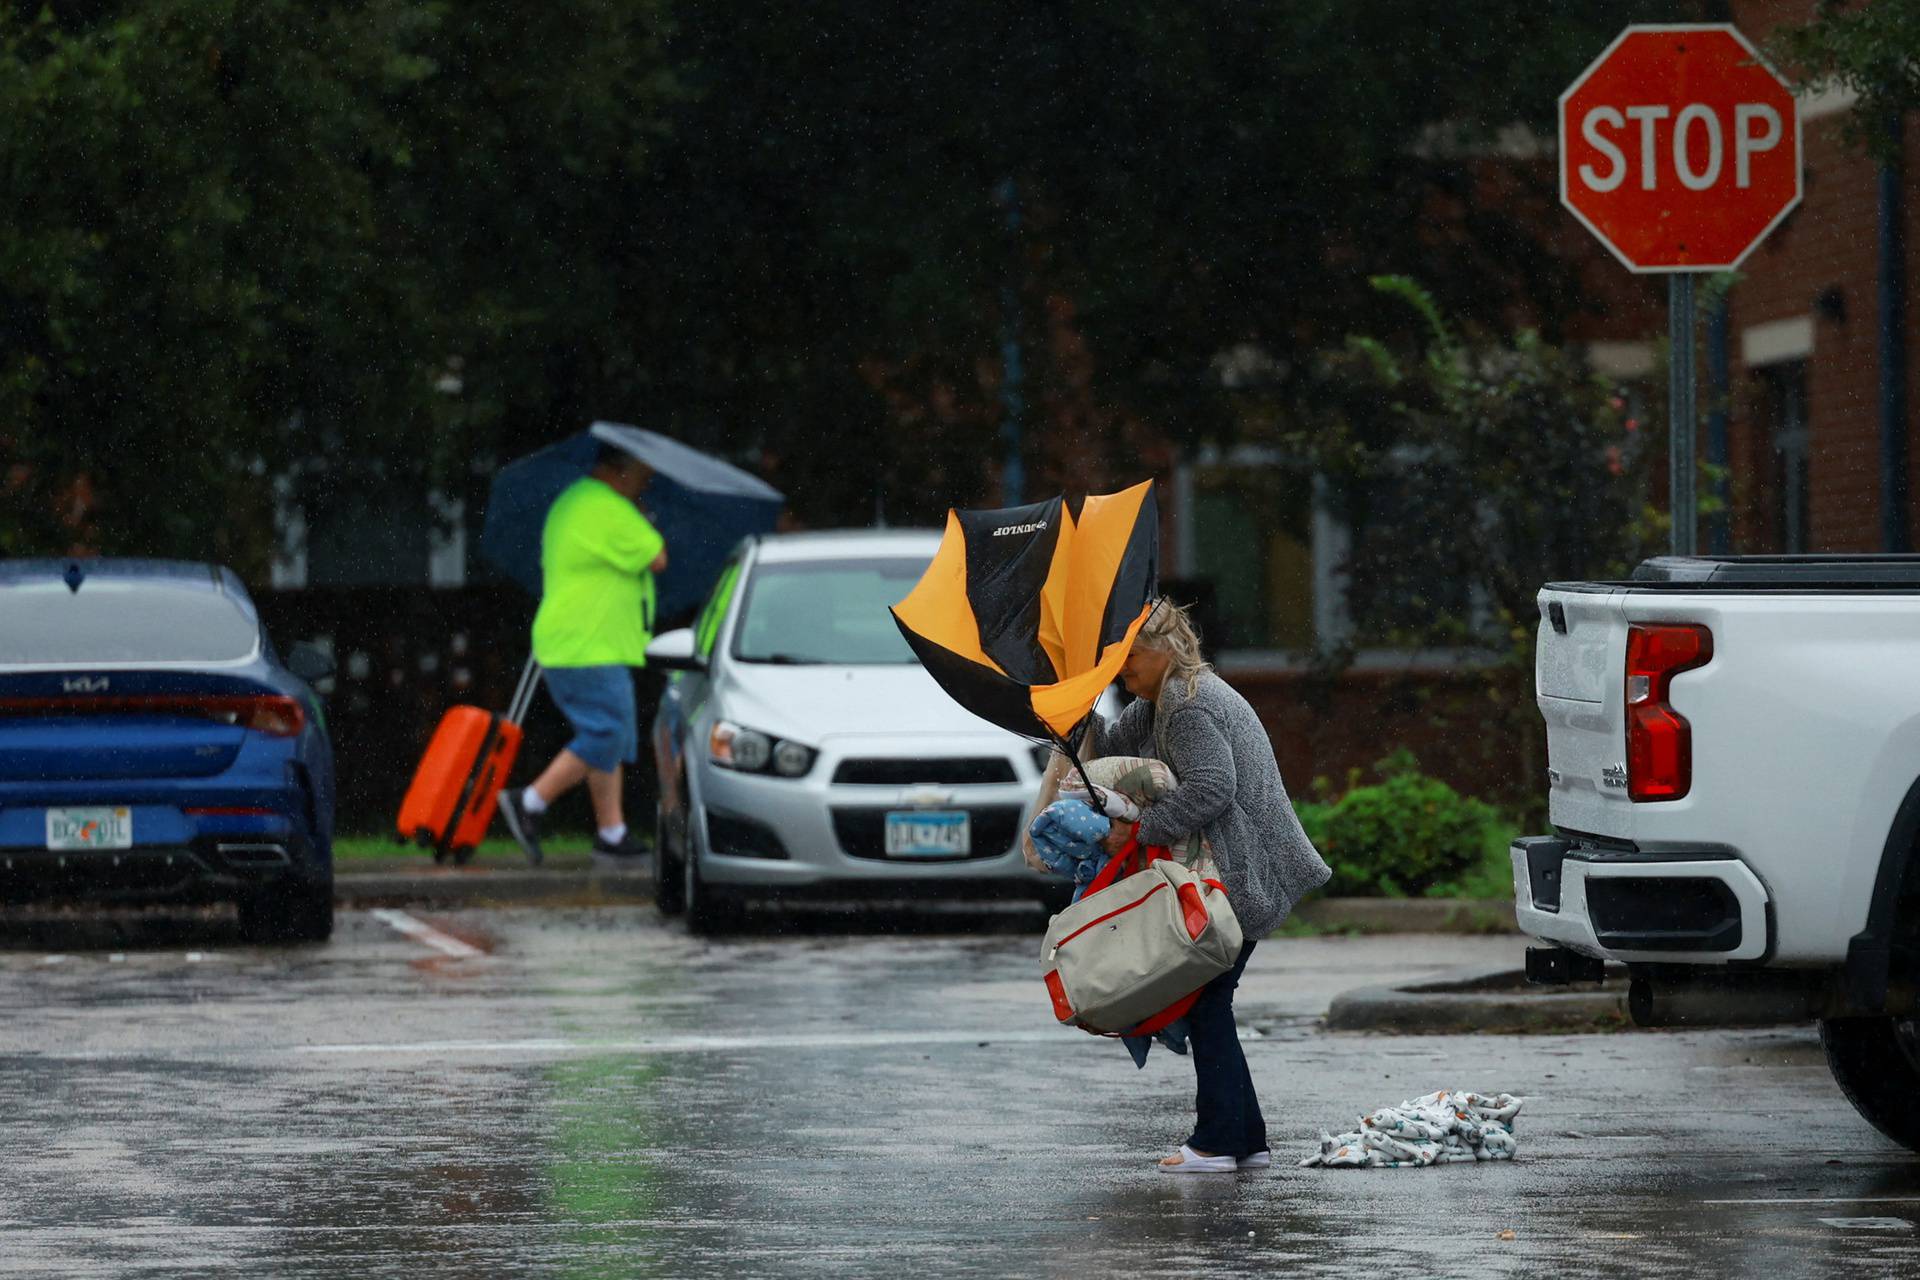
[{"x": 1679, "y": 148}]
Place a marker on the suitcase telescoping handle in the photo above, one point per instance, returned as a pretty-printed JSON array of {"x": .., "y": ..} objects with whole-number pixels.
[{"x": 524, "y": 691}]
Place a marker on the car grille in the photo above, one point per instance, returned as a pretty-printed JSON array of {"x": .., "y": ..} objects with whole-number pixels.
[
  {"x": 863, "y": 832},
  {"x": 949, "y": 771}
]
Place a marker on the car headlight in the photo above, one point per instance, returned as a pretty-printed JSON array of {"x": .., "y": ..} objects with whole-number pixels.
[
  {"x": 791, "y": 760},
  {"x": 748, "y": 750}
]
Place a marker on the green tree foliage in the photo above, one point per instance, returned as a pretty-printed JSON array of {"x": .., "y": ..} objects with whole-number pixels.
[
  {"x": 790, "y": 233},
  {"x": 1476, "y": 468},
  {"x": 251, "y": 233},
  {"x": 1184, "y": 179},
  {"x": 1872, "y": 48}
]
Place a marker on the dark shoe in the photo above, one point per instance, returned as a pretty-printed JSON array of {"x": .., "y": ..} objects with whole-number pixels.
[
  {"x": 623, "y": 856},
  {"x": 524, "y": 827}
]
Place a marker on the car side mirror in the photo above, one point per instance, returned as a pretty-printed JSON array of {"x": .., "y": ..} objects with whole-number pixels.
[
  {"x": 674, "y": 651},
  {"x": 310, "y": 662}
]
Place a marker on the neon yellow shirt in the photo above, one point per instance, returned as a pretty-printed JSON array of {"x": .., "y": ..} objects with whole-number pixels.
[{"x": 596, "y": 600}]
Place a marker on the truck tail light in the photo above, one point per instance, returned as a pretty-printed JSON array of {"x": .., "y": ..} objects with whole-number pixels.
[{"x": 1659, "y": 739}]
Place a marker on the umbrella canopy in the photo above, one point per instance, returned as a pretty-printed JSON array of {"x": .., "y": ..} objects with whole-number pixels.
[
  {"x": 1027, "y": 613},
  {"x": 701, "y": 505}
]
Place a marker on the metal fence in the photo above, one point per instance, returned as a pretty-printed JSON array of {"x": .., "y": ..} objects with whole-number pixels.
[{"x": 404, "y": 655}]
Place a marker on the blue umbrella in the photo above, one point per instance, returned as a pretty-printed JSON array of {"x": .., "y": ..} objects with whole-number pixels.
[{"x": 701, "y": 505}]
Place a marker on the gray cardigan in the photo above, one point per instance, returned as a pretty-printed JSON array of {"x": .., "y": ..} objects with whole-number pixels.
[{"x": 1228, "y": 788}]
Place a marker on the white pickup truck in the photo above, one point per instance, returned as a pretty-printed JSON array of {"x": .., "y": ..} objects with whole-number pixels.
[{"x": 1733, "y": 751}]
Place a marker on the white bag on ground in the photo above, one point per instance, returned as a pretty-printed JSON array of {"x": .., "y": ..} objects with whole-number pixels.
[{"x": 1121, "y": 955}]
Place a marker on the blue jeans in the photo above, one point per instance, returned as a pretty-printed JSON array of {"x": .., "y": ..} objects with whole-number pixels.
[{"x": 1229, "y": 1121}]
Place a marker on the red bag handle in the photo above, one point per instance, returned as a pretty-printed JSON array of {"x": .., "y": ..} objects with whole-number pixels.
[
  {"x": 1110, "y": 874},
  {"x": 1123, "y": 861}
]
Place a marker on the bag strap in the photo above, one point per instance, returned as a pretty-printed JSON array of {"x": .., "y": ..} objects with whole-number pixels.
[{"x": 1122, "y": 862}]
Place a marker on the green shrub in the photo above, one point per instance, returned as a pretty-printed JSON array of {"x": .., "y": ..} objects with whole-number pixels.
[{"x": 1406, "y": 836}]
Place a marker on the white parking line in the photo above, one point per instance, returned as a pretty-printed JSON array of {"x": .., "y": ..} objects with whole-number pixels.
[
  {"x": 697, "y": 1043},
  {"x": 425, "y": 934},
  {"x": 1823, "y": 1200}
]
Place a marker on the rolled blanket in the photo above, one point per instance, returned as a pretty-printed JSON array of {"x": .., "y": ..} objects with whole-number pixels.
[
  {"x": 1440, "y": 1128},
  {"x": 1067, "y": 835}
]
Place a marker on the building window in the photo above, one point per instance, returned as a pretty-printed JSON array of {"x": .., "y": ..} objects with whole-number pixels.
[
  {"x": 1786, "y": 429},
  {"x": 1251, "y": 525},
  {"x": 1284, "y": 553}
]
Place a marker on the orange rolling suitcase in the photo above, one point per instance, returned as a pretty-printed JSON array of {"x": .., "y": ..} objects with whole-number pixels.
[{"x": 451, "y": 800}]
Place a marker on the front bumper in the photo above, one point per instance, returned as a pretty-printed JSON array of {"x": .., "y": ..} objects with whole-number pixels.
[
  {"x": 815, "y": 834},
  {"x": 1682, "y": 906}
]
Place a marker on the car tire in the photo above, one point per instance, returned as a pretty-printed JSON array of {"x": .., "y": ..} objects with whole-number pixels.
[
  {"x": 1876, "y": 1063},
  {"x": 669, "y": 868},
  {"x": 709, "y": 911},
  {"x": 288, "y": 913}
]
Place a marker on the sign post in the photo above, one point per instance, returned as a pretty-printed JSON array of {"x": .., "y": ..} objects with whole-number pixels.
[
  {"x": 1680, "y": 150},
  {"x": 1682, "y": 414}
]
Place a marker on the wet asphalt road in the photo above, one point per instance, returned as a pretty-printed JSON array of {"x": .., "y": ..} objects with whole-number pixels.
[{"x": 588, "y": 1093}]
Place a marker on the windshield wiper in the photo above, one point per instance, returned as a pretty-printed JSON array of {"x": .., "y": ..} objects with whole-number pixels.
[{"x": 789, "y": 660}]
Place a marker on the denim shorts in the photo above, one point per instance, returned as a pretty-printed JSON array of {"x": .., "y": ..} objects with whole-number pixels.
[{"x": 598, "y": 703}]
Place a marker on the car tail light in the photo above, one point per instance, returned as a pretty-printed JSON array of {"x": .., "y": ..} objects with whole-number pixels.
[
  {"x": 1659, "y": 739},
  {"x": 274, "y": 714}
]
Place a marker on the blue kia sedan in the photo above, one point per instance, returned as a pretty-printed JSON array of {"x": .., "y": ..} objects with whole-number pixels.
[{"x": 155, "y": 748}]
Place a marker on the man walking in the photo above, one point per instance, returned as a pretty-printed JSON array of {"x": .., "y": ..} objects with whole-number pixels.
[{"x": 598, "y": 555}]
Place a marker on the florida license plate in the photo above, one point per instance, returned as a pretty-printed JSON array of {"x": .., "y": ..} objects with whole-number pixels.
[
  {"x": 929, "y": 835},
  {"x": 101, "y": 828}
]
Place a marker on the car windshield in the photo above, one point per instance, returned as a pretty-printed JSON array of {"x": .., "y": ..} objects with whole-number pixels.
[
  {"x": 826, "y": 611},
  {"x": 43, "y": 624}
]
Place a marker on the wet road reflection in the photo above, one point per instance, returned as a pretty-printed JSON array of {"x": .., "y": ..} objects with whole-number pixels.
[{"x": 592, "y": 1094}]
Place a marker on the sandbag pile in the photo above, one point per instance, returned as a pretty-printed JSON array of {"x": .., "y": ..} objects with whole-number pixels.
[{"x": 1441, "y": 1128}]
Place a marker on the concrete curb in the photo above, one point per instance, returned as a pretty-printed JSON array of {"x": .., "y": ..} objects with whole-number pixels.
[
  {"x": 485, "y": 886},
  {"x": 1408, "y": 915},
  {"x": 1479, "y": 1001},
  {"x": 587, "y": 886}
]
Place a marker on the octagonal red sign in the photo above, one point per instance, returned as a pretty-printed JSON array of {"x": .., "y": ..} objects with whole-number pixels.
[{"x": 1679, "y": 148}]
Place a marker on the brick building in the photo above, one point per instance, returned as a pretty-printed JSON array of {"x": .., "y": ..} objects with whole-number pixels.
[{"x": 1807, "y": 346}]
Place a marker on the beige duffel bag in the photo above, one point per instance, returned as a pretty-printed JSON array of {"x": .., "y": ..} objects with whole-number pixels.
[{"x": 1126, "y": 953}]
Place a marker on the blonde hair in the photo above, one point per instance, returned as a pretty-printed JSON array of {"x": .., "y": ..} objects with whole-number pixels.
[{"x": 1170, "y": 630}]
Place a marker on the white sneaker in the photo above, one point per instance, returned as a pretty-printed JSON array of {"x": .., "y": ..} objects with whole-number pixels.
[{"x": 1191, "y": 1161}]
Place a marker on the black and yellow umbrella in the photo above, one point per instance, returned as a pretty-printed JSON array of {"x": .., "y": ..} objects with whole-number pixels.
[{"x": 1027, "y": 613}]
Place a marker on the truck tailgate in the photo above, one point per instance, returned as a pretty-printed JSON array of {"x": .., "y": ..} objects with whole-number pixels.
[{"x": 1579, "y": 673}]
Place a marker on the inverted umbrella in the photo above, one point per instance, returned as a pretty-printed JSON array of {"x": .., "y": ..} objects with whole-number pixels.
[
  {"x": 1027, "y": 613},
  {"x": 701, "y": 506}
]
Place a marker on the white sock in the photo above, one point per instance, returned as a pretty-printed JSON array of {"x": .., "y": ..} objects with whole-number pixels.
[
  {"x": 614, "y": 835},
  {"x": 531, "y": 801}
]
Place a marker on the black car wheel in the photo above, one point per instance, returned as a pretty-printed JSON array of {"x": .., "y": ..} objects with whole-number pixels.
[
  {"x": 296, "y": 911},
  {"x": 709, "y": 910},
  {"x": 669, "y": 868},
  {"x": 1876, "y": 1063}
]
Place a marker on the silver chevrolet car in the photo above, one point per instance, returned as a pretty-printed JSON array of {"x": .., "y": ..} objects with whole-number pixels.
[{"x": 804, "y": 752}]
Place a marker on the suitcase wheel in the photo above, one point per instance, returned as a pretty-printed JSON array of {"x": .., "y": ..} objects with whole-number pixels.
[
  {"x": 462, "y": 854},
  {"x": 439, "y": 853}
]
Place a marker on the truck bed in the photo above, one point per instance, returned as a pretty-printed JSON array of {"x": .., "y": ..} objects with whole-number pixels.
[{"x": 1889, "y": 573}]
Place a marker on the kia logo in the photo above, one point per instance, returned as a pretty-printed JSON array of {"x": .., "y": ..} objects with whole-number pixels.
[{"x": 84, "y": 684}]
